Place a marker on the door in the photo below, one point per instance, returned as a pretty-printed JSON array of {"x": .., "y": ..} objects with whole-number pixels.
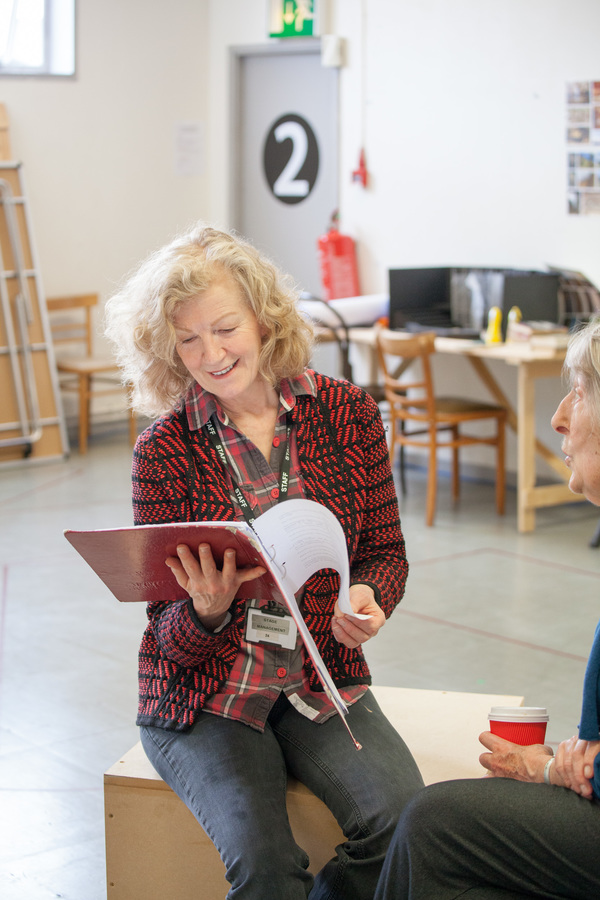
[{"x": 285, "y": 186}]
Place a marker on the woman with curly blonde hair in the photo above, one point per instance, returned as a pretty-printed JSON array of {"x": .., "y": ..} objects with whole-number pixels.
[
  {"x": 210, "y": 337},
  {"x": 140, "y": 317}
]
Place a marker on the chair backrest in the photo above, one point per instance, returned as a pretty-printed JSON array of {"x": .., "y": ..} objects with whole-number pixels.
[
  {"x": 72, "y": 329},
  {"x": 415, "y": 397}
]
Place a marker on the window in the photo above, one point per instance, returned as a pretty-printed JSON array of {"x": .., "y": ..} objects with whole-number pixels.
[{"x": 37, "y": 37}]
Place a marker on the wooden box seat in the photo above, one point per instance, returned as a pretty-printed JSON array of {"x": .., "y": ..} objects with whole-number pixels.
[{"x": 155, "y": 848}]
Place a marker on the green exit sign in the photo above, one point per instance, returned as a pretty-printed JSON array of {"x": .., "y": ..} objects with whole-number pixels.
[{"x": 289, "y": 19}]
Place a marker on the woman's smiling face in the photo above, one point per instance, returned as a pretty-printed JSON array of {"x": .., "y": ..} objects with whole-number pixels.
[
  {"x": 219, "y": 342},
  {"x": 576, "y": 421}
]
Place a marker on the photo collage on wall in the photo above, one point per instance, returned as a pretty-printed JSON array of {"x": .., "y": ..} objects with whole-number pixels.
[{"x": 583, "y": 147}]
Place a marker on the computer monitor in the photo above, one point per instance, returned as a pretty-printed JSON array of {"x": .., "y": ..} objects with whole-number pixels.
[
  {"x": 535, "y": 294},
  {"x": 427, "y": 297},
  {"x": 421, "y": 296}
]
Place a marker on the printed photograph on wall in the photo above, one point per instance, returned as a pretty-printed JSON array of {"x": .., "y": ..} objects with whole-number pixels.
[{"x": 583, "y": 147}]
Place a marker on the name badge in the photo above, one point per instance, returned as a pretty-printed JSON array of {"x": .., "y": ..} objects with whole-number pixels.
[{"x": 263, "y": 625}]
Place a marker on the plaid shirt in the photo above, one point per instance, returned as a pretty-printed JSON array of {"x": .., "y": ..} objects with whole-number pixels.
[{"x": 262, "y": 670}]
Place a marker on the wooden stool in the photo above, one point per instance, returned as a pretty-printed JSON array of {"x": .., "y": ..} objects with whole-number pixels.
[{"x": 155, "y": 848}]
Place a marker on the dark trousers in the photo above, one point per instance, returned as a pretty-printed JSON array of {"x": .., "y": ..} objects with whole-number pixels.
[
  {"x": 494, "y": 839},
  {"x": 233, "y": 779}
]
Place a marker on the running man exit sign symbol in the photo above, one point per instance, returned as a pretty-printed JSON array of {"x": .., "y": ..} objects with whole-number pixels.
[{"x": 292, "y": 19}]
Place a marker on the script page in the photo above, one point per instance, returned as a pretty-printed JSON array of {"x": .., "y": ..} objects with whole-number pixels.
[{"x": 301, "y": 537}]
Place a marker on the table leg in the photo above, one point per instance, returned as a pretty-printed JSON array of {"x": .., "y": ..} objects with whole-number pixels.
[
  {"x": 523, "y": 424},
  {"x": 529, "y": 496},
  {"x": 525, "y": 449}
]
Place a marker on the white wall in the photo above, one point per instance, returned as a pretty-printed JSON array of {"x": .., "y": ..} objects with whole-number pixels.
[
  {"x": 464, "y": 120},
  {"x": 464, "y": 123},
  {"x": 460, "y": 108},
  {"x": 98, "y": 149}
]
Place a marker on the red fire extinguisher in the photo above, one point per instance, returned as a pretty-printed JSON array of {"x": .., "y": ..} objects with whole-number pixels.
[{"x": 337, "y": 258}]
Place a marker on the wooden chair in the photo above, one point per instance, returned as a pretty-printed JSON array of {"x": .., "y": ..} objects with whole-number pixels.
[
  {"x": 71, "y": 326},
  {"x": 419, "y": 418}
]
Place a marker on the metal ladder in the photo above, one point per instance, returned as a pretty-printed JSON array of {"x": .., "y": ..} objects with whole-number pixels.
[{"x": 32, "y": 425}]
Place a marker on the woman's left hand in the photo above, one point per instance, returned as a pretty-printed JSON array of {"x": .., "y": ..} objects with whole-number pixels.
[
  {"x": 574, "y": 765},
  {"x": 353, "y": 632},
  {"x": 508, "y": 760}
]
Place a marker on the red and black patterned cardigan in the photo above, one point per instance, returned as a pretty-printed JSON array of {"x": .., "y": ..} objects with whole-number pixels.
[{"x": 345, "y": 466}]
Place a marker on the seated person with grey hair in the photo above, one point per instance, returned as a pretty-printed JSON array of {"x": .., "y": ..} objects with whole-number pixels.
[{"x": 532, "y": 828}]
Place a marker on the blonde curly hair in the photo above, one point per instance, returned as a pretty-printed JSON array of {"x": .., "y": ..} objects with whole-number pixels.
[{"x": 139, "y": 318}]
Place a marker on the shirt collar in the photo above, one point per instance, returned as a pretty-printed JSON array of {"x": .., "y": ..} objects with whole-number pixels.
[{"x": 200, "y": 405}]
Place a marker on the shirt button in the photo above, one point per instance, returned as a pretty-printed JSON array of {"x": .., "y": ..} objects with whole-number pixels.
[
  {"x": 281, "y": 672},
  {"x": 276, "y": 442},
  {"x": 275, "y": 493}
]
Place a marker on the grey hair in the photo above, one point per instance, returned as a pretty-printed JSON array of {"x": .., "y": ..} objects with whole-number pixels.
[{"x": 583, "y": 360}]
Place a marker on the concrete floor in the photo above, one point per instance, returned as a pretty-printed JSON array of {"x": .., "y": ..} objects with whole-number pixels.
[{"x": 486, "y": 610}]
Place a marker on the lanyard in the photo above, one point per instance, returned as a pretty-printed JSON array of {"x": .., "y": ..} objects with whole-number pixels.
[{"x": 284, "y": 478}]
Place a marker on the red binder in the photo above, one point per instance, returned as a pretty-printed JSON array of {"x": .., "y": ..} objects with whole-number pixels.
[{"x": 131, "y": 561}]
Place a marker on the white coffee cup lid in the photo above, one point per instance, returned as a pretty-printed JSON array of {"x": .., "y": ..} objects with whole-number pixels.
[{"x": 518, "y": 713}]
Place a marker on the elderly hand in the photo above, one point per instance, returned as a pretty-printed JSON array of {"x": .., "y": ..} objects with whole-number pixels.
[
  {"x": 574, "y": 766},
  {"x": 212, "y": 590},
  {"x": 353, "y": 632},
  {"x": 508, "y": 760}
]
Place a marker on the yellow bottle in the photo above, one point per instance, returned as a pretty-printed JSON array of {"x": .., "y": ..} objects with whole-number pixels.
[
  {"x": 493, "y": 334},
  {"x": 514, "y": 316}
]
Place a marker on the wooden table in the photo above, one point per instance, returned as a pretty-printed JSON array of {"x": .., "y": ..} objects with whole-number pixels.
[{"x": 532, "y": 362}]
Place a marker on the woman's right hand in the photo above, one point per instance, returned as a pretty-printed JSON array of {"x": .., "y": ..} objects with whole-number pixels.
[
  {"x": 508, "y": 760},
  {"x": 212, "y": 590}
]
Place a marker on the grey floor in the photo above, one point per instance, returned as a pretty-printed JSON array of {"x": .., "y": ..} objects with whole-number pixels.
[{"x": 486, "y": 610}]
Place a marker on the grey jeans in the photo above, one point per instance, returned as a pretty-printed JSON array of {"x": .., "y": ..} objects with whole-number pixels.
[{"x": 233, "y": 779}]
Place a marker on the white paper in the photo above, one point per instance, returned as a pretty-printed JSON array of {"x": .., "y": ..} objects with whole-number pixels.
[
  {"x": 363, "y": 310},
  {"x": 189, "y": 142},
  {"x": 302, "y": 537}
]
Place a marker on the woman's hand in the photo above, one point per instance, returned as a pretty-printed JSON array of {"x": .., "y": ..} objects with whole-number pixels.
[
  {"x": 212, "y": 590},
  {"x": 508, "y": 760},
  {"x": 350, "y": 631},
  {"x": 574, "y": 766}
]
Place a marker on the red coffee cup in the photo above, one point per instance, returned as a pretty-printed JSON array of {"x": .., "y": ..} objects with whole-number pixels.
[{"x": 519, "y": 724}]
